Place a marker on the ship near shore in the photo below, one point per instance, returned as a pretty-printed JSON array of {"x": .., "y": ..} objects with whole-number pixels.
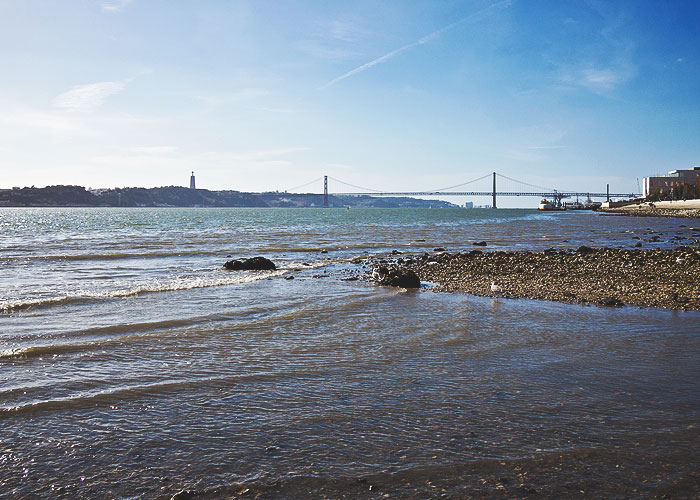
[
  {"x": 556, "y": 205},
  {"x": 135, "y": 365}
]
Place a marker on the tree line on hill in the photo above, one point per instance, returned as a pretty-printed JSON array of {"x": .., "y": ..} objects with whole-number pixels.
[{"x": 177, "y": 196}]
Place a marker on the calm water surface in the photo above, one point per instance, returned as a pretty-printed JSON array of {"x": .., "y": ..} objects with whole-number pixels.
[{"x": 132, "y": 365}]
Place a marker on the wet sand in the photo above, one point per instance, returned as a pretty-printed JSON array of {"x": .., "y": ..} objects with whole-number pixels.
[{"x": 667, "y": 279}]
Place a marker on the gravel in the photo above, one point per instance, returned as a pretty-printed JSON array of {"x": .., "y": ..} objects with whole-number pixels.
[{"x": 608, "y": 277}]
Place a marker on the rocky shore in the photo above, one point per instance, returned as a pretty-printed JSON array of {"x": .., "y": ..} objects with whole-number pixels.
[
  {"x": 667, "y": 279},
  {"x": 689, "y": 209},
  {"x": 690, "y": 213}
]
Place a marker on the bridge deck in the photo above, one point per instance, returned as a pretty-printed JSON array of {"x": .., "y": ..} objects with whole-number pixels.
[{"x": 550, "y": 194}]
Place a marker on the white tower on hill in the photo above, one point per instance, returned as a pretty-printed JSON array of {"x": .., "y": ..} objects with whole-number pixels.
[{"x": 192, "y": 186}]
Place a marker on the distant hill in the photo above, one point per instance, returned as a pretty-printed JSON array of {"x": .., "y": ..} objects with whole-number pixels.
[{"x": 177, "y": 196}]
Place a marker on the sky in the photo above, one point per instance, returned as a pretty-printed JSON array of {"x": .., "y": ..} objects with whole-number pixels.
[{"x": 390, "y": 95}]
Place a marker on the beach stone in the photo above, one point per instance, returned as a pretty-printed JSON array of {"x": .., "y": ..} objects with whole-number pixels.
[
  {"x": 584, "y": 250},
  {"x": 438, "y": 249},
  {"x": 397, "y": 276},
  {"x": 610, "y": 302},
  {"x": 611, "y": 277},
  {"x": 480, "y": 243},
  {"x": 252, "y": 264}
]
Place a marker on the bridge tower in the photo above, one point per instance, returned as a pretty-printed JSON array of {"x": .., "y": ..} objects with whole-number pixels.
[
  {"x": 494, "y": 191},
  {"x": 325, "y": 191}
]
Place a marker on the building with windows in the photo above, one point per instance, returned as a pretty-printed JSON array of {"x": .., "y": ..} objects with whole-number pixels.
[{"x": 677, "y": 184}]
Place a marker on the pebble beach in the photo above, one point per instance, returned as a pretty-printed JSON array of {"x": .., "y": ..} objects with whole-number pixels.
[{"x": 665, "y": 278}]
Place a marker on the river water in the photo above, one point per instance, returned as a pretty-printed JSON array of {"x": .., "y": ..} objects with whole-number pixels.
[{"x": 133, "y": 366}]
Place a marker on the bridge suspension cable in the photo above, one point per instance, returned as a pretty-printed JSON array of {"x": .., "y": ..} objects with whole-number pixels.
[
  {"x": 304, "y": 185},
  {"x": 462, "y": 184},
  {"x": 541, "y": 188},
  {"x": 354, "y": 186}
]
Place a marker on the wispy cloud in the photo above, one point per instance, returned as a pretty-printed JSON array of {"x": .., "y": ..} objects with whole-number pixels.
[
  {"x": 87, "y": 98},
  {"x": 154, "y": 149},
  {"x": 346, "y": 31},
  {"x": 115, "y": 5},
  {"x": 608, "y": 62},
  {"x": 268, "y": 109},
  {"x": 600, "y": 79},
  {"x": 525, "y": 156},
  {"x": 269, "y": 154},
  {"x": 335, "y": 40},
  {"x": 39, "y": 120},
  {"x": 342, "y": 166},
  {"x": 420, "y": 41},
  {"x": 218, "y": 99}
]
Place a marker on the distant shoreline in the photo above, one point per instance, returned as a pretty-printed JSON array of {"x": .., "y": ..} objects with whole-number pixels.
[{"x": 181, "y": 197}]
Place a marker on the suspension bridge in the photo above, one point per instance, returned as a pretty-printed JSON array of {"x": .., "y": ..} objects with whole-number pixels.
[{"x": 513, "y": 187}]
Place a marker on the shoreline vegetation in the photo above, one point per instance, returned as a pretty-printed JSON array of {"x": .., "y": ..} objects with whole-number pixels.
[
  {"x": 177, "y": 196},
  {"x": 668, "y": 279}
]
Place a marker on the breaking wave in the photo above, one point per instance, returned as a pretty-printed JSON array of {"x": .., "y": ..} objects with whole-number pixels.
[{"x": 174, "y": 285}]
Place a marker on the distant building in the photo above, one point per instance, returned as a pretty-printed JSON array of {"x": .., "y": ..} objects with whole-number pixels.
[
  {"x": 192, "y": 185},
  {"x": 676, "y": 184}
]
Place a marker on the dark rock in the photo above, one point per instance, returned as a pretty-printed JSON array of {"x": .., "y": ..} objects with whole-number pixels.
[
  {"x": 654, "y": 238},
  {"x": 610, "y": 302},
  {"x": 395, "y": 252},
  {"x": 585, "y": 250},
  {"x": 253, "y": 264},
  {"x": 475, "y": 252},
  {"x": 479, "y": 243},
  {"x": 397, "y": 276},
  {"x": 638, "y": 244},
  {"x": 289, "y": 277},
  {"x": 438, "y": 249}
]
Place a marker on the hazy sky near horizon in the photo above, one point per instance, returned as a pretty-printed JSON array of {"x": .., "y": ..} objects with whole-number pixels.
[{"x": 267, "y": 95}]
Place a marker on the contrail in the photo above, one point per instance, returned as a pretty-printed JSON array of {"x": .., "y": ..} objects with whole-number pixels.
[{"x": 421, "y": 41}]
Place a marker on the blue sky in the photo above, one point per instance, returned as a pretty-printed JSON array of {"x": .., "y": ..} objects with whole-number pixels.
[{"x": 266, "y": 95}]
